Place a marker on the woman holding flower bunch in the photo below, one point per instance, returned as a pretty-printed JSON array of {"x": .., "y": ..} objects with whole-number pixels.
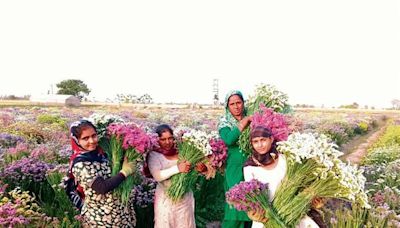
[
  {"x": 230, "y": 127},
  {"x": 163, "y": 164},
  {"x": 91, "y": 169},
  {"x": 269, "y": 167}
]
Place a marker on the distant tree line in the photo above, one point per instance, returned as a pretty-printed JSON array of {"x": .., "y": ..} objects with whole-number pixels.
[
  {"x": 13, "y": 97},
  {"x": 133, "y": 99}
]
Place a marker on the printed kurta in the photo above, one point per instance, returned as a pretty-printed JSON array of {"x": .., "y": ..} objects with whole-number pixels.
[{"x": 101, "y": 210}]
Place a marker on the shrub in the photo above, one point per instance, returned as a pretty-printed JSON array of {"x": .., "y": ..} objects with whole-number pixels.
[
  {"x": 51, "y": 119},
  {"x": 9, "y": 140},
  {"x": 361, "y": 128},
  {"x": 382, "y": 155}
]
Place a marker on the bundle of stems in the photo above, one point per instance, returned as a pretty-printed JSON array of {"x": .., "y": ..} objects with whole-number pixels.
[{"x": 182, "y": 183}]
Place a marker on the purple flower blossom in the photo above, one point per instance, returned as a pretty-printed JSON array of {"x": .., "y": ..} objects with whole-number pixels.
[
  {"x": 8, "y": 140},
  {"x": 65, "y": 152},
  {"x": 219, "y": 153},
  {"x": 9, "y": 216},
  {"x": 243, "y": 195},
  {"x": 144, "y": 192},
  {"x": 28, "y": 169}
]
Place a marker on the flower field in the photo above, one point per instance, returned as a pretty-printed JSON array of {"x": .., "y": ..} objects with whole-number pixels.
[{"x": 35, "y": 150}]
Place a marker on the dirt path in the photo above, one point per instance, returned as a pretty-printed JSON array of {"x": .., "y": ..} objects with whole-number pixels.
[{"x": 356, "y": 149}]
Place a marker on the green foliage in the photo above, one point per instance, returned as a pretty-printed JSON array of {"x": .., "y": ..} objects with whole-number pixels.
[
  {"x": 52, "y": 119},
  {"x": 144, "y": 216},
  {"x": 28, "y": 131},
  {"x": 361, "y": 128},
  {"x": 210, "y": 200},
  {"x": 390, "y": 137},
  {"x": 350, "y": 106},
  {"x": 60, "y": 199},
  {"x": 382, "y": 155},
  {"x": 355, "y": 216},
  {"x": 12, "y": 157},
  {"x": 73, "y": 87},
  {"x": 347, "y": 217}
]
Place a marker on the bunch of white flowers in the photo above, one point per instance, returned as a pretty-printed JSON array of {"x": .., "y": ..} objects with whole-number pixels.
[
  {"x": 200, "y": 139},
  {"x": 352, "y": 182},
  {"x": 102, "y": 120},
  {"x": 303, "y": 146},
  {"x": 331, "y": 177},
  {"x": 270, "y": 97}
]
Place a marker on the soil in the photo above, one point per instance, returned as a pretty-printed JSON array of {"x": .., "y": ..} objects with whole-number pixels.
[{"x": 356, "y": 149}]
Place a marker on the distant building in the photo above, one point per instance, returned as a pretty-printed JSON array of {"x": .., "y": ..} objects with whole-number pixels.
[{"x": 68, "y": 100}]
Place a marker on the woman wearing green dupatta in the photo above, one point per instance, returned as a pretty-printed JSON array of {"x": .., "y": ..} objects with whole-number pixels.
[{"x": 230, "y": 127}]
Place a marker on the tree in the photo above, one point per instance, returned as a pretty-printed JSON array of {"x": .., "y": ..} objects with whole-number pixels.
[
  {"x": 126, "y": 98},
  {"x": 73, "y": 87},
  {"x": 145, "y": 99},
  {"x": 355, "y": 105},
  {"x": 396, "y": 103}
]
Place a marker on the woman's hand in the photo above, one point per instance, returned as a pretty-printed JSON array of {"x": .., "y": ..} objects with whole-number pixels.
[
  {"x": 244, "y": 122},
  {"x": 258, "y": 216},
  {"x": 201, "y": 168},
  {"x": 128, "y": 167},
  {"x": 184, "y": 166},
  {"x": 317, "y": 203}
]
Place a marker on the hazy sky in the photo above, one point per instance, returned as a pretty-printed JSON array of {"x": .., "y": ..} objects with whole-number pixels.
[{"x": 318, "y": 52}]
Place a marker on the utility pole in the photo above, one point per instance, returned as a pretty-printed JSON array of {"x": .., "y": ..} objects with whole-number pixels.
[{"x": 215, "y": 91}]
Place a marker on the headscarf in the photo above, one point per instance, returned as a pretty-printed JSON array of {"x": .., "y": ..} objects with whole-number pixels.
[
  {"x": 260, "y": 131},
  {"x": 228, "y": 120},
  {"x": 257, "y": 159},
  {"x": 76, "y": 147}
]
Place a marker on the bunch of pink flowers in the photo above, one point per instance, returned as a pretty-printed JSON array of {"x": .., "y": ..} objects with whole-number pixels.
[
  {"x": 274, "y": 121},
  {"x": 130, "y": 141}
]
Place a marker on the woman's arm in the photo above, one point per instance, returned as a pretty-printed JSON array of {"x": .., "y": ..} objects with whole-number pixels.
[
  {"x": 102, "y": 186},
  {"x": 229, "y": 136},
  {"x": 158, "y": 173},
  {"x": 89, "y": 179}
]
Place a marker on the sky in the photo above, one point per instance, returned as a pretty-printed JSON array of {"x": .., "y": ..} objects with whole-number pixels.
[{"x": 317, "y": 52}]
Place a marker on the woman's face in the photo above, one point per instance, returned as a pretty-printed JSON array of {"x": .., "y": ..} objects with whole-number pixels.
[
  {"x": 166, "y": 140},
  {"x": 88, "y": 139},
  {"x": 262, "y": 145},
  {"x": 235, "y": 106}
]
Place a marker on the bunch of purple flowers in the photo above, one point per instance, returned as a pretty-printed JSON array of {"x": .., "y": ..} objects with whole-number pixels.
[
  {"x": 219, "y": 153},
  {"x": 253, "y": 196}
]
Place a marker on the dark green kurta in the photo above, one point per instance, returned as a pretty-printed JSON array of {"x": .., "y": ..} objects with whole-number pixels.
[{"x": 234, "y": 169}]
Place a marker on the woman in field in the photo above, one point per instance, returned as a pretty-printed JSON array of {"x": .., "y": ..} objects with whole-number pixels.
[
  {"x": 268, "y": 166},
  {"x": 163, "y": 164},
  {"x": 91, "y": 169},
  {"x": 230, "y": 127}
]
